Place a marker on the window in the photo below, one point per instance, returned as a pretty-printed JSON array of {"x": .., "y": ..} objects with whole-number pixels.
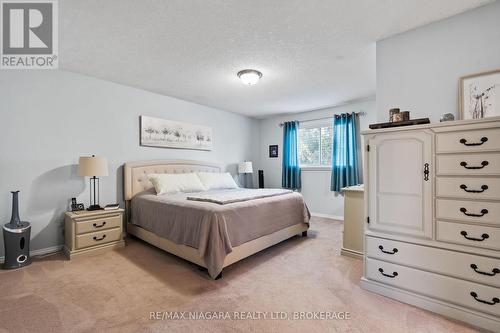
[{"x": 315, "y": 144}]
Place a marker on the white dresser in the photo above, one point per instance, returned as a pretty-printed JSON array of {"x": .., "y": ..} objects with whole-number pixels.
[{"x": 432, "y": 208}]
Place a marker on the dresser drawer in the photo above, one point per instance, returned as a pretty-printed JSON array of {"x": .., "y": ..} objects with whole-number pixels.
[
  {"x": 468, "y": 234},
  {"x": 469, "y": 164},
  {"x": 468, "y": 188},
  {"x": 468, "y": 141},
  {"x": 468, "y": 294},
  {"x": 108, "y": 222},
  {"x": 470, "y": 211},
  {"x": 98, "y": 238},
  {"x": 461, "y": 265}
]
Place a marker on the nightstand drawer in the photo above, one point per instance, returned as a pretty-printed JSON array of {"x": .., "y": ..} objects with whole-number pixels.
[
  {"x": 98, "y": 238},
  {"x": 99, "y": 224}
]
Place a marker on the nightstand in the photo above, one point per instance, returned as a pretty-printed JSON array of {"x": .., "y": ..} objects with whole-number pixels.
[{"x": 89, "y": 232}]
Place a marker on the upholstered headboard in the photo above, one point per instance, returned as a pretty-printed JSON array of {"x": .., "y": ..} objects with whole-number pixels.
[{"x": 135, "y": 179}]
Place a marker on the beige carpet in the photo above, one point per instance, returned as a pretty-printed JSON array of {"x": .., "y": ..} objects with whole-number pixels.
[{"x": 116, "y": 291}]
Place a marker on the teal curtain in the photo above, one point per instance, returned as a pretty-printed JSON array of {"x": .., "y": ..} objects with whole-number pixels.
[
  {"x": 345, "y": 168},
  {"x": 290, "y": 177}
]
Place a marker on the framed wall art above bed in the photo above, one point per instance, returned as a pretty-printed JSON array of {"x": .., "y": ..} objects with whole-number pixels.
[{"x": 163, "y": 133}]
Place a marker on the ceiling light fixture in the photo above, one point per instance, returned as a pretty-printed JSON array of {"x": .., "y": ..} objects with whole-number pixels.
[{"x": 249, "y": 76}]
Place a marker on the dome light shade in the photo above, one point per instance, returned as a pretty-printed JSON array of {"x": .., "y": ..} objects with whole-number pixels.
[{"x": 249, "y": 76}]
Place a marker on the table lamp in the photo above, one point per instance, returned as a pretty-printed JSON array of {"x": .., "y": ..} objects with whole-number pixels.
[
  {"x": 93, "y": 167},
  {"x": 244, "y": 169}
]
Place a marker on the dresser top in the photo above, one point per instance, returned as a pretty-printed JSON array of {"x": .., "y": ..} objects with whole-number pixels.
[
  {"x": 441, "y": 127},
  {"x": 355, "y": 188}
]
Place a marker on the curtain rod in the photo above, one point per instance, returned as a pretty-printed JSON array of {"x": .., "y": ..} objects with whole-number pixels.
[{"x": 361, "y": 113}]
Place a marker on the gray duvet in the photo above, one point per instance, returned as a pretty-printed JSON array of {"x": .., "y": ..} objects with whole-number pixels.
[{"x": 215, "y": 229}]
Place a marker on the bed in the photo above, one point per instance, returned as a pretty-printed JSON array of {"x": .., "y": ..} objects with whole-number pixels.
[{"x": 208, "y": 234}]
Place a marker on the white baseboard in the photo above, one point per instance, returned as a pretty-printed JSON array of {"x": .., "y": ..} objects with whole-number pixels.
[
  {"x": 40, "y": 252},
  {"x": 351, "y": 253},
  {"x": 328, "y": 216}
]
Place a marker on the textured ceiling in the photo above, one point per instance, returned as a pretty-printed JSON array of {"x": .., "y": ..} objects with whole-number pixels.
[{"x": 312, "y": 53}]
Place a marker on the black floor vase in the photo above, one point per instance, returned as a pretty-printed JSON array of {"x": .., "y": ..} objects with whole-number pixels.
[{"x": 16, "y": 236}]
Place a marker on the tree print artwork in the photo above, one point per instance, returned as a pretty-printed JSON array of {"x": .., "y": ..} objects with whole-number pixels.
[
  {"x": 156, "y": 132},
  {"x": 480, "y": 95},
  {"x": 149, "y": 130},
  {"x": 479, "y": 101}
]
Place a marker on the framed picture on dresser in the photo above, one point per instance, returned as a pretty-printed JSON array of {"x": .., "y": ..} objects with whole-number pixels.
[{"x": 480, "y": 95}]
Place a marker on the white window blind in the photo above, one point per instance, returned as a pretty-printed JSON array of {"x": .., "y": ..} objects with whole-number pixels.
[{"x": 315, "y": 144}]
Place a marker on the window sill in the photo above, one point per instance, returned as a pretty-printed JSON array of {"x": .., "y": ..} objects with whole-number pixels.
[{"x": 316, "y": 168}]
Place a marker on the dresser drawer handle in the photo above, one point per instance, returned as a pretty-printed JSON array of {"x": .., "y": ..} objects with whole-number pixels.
[
  {"x": 494, "y": 271},
  {"x": 483, "y": 164},
  {"x": 99, "y": 239},
  {"x": 464, "y": 142},
  {"x": 483, "y": 188},
  {"x": 100, "y": 225},
  {"x": 483, "y": 212},
  {"x": 394, "y": 250},
  {"x": 483, "y": 237},
  {"x": 394, "y": 274},
  {"x": 494, "y": 300}
]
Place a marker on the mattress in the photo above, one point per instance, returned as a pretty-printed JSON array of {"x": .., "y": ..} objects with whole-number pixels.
[{"x": 214, "y": 229}]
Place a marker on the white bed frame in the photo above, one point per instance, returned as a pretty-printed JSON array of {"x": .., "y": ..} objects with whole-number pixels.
[{"x": 135, "y": 181}]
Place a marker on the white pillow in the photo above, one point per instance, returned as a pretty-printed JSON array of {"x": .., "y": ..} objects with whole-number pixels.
[
  {"x": 176, "y": 182},
  {"x": 213, "y": 180}
]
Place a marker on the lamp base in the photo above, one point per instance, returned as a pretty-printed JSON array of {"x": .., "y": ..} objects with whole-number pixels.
[{"x": 94, "y": 207}]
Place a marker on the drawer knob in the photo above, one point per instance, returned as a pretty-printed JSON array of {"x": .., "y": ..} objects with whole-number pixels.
[
  {"x": 394, "y": 250},
  {"x": 494, "y": 300},
  {"x": 483, "y": 164},
  {"x": 483, "y": 212},
  {"x": 483, "y": 236},
  {"x": 465, "y": 143},
  {"x": 99, "y": 239},
  {"x": 99, "y": 225},
  {"x": 394, "y": 274},
  {"x": 494, "y": 271},
  {"x": 483, "y": 188}
]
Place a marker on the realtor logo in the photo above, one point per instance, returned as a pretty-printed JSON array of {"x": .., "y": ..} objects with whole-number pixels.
[{"x": 29, "y": 34}]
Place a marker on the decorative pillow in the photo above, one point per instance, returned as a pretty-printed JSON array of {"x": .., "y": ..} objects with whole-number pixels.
[
  {"x": 176, "y": 182},
  {"x": 213, "y": 180}
]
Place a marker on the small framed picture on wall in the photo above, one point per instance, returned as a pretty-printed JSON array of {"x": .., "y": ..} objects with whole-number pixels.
[
  {"x": 480, "y": 95},
  {"x": 273, "y": 151}
]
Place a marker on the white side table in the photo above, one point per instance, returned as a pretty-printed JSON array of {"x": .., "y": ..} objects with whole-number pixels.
[{"x": 353, "y": 221}]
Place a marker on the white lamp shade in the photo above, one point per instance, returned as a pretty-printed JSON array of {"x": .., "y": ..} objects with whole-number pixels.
[
  {"x": 92, "y": 166},
  {"x": 245, "y": 167}
]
